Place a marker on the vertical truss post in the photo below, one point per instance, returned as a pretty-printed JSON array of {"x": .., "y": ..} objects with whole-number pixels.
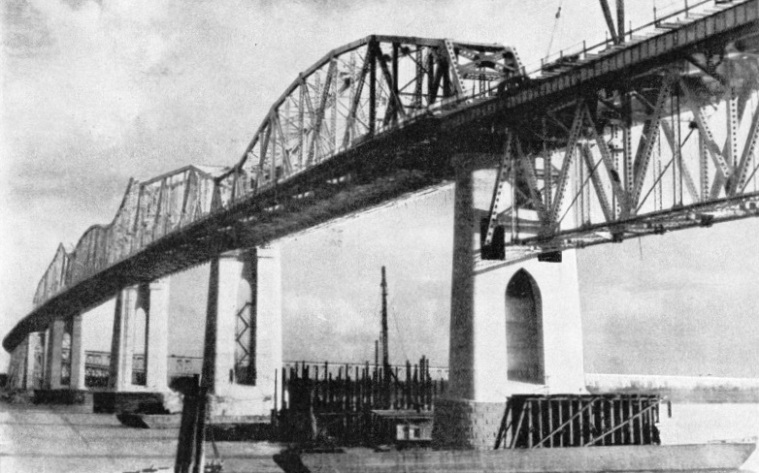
[
  {"x": 677, "y": 151},
  {"x": 320, "y": 112},
  {"x": 394, "y": 84},
  {"x": 703, "y": 162},
  {"x": 431, "y": 87},
  {"x": 372, "y": 85},
  {"x": 505, "y": 167},
  {"x": 301, "y": 121},
  {"x": 648, "y": 139},
  {"x": 286, "y": 161},
  {"x": 619, "y": 196},
  {"x": 454, "y": 71},
  {"x": 749, "y": 151},
  {"x": 394, "y": 105},
  {"x": 356, "y": 100},
  {"x": 528, "y": 166},
  {"x": 603, "y": 200},
  {"x": 731, "y": 109},
  {"x": 621, "y": 20},
  {"x": 333, "y": 121},
  {"x": 681, "y": 175},
  {"x": 723, "y": 167},
  {"x": 561, "y": 186},
  {"x": 547, "y": 166},
  {"x": 627, "y": 156},
  {"x": 419, "y": 79}
]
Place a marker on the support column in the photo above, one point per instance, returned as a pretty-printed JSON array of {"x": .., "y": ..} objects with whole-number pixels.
[
  {"x": 530, "y": 305},
  {"x": 157, "y": 338},
  {"x": 231, "y": 291},
  {"x": 77, "y": 354},
  {"x": 122, "y": 341},
  {"x": 54, "y": 355},
  {"x": 18, "y": 365},
  {"x": 32, "y": 346},
  {"x": 269, "y": 320}
]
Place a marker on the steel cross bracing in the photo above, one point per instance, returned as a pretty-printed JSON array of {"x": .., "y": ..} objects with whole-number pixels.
[
  {"x": 617, "y": 141},
  {"x": 672, "y": 148}
]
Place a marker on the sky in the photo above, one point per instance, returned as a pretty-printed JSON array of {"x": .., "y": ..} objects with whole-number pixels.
[{"x": 96, "y": 92}]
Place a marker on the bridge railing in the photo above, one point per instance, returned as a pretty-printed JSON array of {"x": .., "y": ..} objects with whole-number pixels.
[{"x": 566, "y": 56}]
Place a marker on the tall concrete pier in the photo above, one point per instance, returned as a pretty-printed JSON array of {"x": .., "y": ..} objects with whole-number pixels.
[
  {"x": 243, "y": 338},
  {"x": 515, "y": 328}
]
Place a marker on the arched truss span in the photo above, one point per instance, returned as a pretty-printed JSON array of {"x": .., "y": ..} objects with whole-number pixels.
[{"x": 362, "y": 89}]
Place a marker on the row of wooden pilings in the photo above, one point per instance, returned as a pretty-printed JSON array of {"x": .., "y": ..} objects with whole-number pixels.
[{"x": 353, "y": 404}]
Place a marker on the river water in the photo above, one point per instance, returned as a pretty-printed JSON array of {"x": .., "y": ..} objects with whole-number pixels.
[{"x": 49, "y": 440}]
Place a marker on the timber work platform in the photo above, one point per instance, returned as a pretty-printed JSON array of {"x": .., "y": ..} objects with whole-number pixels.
[{"x": 532, "y": 421}]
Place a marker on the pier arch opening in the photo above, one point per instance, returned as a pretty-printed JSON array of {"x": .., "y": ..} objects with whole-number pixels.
[{"x": 524, "y": 329}]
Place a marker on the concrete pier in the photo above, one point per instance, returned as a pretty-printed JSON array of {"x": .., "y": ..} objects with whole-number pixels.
[
  {"x": 77, "y": 357},
  {"x": 122, "y": 341},
  {"x": 515, "y": 328},
  {"x": 243, "y": 340},
  {"x": 151, "y": 301},
  {"x": 54, "y": 355},
  {"x": 155, "y": 301}
]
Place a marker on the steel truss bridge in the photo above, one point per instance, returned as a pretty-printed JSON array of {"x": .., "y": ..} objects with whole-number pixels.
[{"x": 652, "y": 132}]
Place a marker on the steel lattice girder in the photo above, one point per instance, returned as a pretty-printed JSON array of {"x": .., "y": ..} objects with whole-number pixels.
[
  {"x": 362, "y": 89},
  {"x": 677, "y": 114}
]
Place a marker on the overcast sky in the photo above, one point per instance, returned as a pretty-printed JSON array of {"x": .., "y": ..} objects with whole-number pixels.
[{"x": 96, "y": 92}]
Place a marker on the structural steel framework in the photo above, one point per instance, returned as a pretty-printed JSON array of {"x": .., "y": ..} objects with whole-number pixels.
[
  {"x": 652, "y": 132},
  {"x": 671, "y": 148}
]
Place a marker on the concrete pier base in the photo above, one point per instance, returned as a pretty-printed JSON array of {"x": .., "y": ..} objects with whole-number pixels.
[
  {"x": 464, "y": 424},
  {"x": 515, "y": 328},
  {"x": 243, "y": 339}
]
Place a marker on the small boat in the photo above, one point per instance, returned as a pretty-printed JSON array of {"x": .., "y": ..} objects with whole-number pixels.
[{"x": 623, "y": 458}]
